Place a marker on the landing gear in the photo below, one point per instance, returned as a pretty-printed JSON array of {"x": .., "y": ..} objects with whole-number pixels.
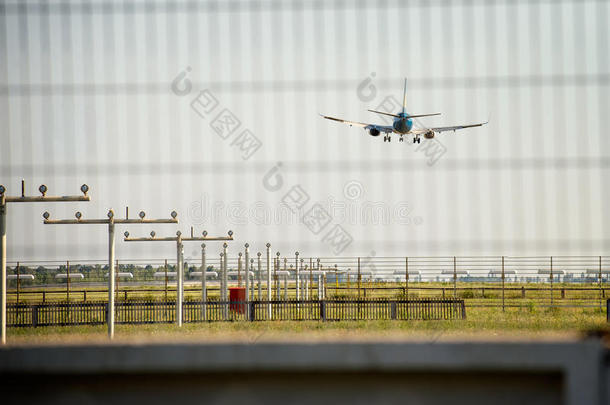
[
  {"x": 387, "y": 138},
  {"x": 416, "y": 139},
  {"x": 401, "y": 139}
]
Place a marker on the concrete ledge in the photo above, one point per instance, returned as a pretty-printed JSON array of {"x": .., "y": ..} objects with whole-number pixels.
[{"x": 574, "y": 371}]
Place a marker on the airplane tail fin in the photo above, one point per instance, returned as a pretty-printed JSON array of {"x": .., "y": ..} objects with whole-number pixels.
[{"x": 404, "y": 98}]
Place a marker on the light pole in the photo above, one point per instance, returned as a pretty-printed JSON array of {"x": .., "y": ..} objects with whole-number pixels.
[
  {"x": 260, "y": 277},
  {"x": 110, "y": 221},
  {"x": 179, "y": 239},
  {"x": 297, "y": 275},
  {"x": 4, "y": 200},
  {"x": 247, "y": 268},
  {"x": 204, "y": 292},
  {"x": 268, "y": 245}
]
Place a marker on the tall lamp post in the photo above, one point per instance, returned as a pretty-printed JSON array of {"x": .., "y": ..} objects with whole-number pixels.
[
  {"x": 4, "y": 200},
  {"x": 179, "y": 239},
  {"x": 110, "y": 221}
]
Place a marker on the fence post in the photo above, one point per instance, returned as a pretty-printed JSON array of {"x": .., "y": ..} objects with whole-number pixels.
[
  {"x": 84, "y": 295},
  {"x": 522, "y": 292},
  {"x": 252, "y": 311},
  {"x": 323, "y": 310},
  {"x": 34, "y": 315},
  {"x": 393, "y": 309}
]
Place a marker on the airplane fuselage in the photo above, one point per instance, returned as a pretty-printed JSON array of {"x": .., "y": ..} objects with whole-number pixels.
[{"x": 402, "y": 124}]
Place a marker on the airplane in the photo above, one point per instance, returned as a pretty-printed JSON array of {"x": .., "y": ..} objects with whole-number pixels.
[{"x": 403, "y": 124}]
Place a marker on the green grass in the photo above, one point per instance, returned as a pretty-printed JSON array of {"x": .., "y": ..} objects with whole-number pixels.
[
  {"x": 482, "y": 323},
  {"x": 475, "y": 291}
]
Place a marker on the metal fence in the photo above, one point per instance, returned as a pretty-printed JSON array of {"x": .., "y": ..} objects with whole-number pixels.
[
  {"x": 482, "y": 281},
  {"x": 95, "y": 313}
]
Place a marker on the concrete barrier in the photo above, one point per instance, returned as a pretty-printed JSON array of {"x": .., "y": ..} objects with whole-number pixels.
[{"x": 354, "y": 373}]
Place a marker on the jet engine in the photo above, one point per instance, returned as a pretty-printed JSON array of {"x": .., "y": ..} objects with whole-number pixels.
[
  {"x": 374, "y": 132},
  {"x": 429, "y": 135}
]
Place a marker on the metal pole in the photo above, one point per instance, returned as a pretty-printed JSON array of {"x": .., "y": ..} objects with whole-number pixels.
[
  {"x": 320, "y": 296},
  {"x": 297, "y": 275},
  {"x": 323, "y": 282},
  {"x": 225, "y": 278},
  {"x": 303, "y": 282},
  {"x": 18, "y": 282},
  {"x": 247, "y": 268},
  {"x": 166, "y": 280},
  {"x": 239, "y": 269},
  {"x": 68, "y": 281},
  {"x": 454, "y": 278},
  {"x": 269, "y": 281},
  {"x": 600, "y": 284},
  {"x": 503, "y": 304},
  {"x": 276, "y": 268},
  {"x": 252, "y": 280},
  {"x": 117, "y": 286},
  {"x": 551, "y": 281},
  {"x": 285, "y": 279},
  {"x": 179, "y": 278},
  {"x": 406, "y": 278},
  {"x": 336, "y": 281},
  {"x": 359, "y": 279},
  {"x": 310, "y": 294},
  {"x": 222, "y": 278},
  {"x": 204, "y": 292},
  {"x": 3, "y": 260},
  {"x": 260, "y": 277},
  {"x": 221, "y": 293},
  {"x": 285, "y": 287},
  {"x": 111, "y": 275}
]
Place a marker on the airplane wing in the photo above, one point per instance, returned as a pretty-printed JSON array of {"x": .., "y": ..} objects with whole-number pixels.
[
  {"x": 381, "y": 128},
  {"x": 419, "y": 131}
]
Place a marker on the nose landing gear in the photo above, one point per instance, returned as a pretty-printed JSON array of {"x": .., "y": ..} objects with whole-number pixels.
[{"x": 401, "y": 139}]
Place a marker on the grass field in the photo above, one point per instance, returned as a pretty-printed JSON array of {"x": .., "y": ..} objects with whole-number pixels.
[
  {"x": 472, "y": 292},
  {"x": 481, "y": 324}
]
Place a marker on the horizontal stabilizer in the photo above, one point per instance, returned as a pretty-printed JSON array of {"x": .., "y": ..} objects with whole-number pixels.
[
  {"x": 422, "y": 115},
  {"x": 408, "y": 115},
  {"x": 385, "y": 113}
]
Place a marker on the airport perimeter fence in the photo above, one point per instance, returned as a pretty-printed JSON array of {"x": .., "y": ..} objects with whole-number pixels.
[
  {"x": 142, "y": 312},
  {"x": 493, "y": 281}
]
